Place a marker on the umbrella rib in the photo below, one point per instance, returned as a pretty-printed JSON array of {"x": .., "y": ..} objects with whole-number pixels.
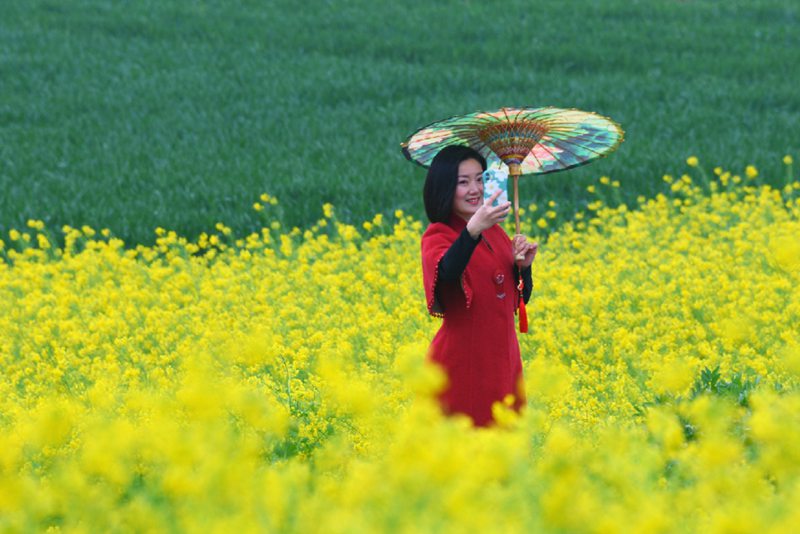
[
  {"x": 565, "y": 149},
  {"x": 555, "y": 156},
  {"x": 533, "y": 155},
  {"x": 584, "y": 147}
]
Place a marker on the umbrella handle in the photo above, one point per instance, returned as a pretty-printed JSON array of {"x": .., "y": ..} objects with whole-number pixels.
[
  {"x": 519, "y": 257},
  {"x": 516, "y": 201}
]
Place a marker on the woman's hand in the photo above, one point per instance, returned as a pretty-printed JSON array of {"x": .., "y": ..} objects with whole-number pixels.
[
  {"x": 524, "y": 251},
  {"x": 487, "y": 216}
]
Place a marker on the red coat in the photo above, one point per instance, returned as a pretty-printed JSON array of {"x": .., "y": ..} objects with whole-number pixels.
[{"x": 477, "y": 343}]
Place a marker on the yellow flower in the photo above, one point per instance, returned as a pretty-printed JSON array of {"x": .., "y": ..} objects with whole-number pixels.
[
  {"x": 787, "y": 160},
  {"x": 665, "y": 425},
  {"x": 673, "y": 377},
  {"x": 751, "y": 171},
  {"x": 692, "y": 161},
  {"x": 202, "y": 382},
  {"x": 785, "y": 252}
]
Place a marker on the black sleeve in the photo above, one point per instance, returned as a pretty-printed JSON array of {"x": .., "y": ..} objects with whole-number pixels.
[
  {"x": 527, "y": 282},
  {"x": 457, "y": 256}
]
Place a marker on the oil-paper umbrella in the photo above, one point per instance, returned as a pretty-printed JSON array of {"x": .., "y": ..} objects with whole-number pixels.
[{"x": 526, "y": 140}]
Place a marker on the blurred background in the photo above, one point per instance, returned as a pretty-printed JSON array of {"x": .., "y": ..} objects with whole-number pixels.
[{"x": 180, "y": 114}]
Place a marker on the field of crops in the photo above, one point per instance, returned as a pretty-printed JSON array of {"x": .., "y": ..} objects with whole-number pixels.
[
  {"x": 176, "y": 113},
  {"x": 275, "y": 381}
]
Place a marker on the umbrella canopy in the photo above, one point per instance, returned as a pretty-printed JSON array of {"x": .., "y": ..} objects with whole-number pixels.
[{"x": 526, "y": 140}]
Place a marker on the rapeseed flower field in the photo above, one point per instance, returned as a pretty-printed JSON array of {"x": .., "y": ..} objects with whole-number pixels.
[{"x": 276, "y": 381}]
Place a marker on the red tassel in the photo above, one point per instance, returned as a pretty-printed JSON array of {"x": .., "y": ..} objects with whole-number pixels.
[{"x": 523, "y": 314}]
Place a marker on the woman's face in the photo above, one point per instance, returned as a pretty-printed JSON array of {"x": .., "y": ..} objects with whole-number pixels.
[{"x": 469, "y": 189}]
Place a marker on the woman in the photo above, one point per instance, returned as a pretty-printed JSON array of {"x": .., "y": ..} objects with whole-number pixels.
[{"x": 471, "y": 281}]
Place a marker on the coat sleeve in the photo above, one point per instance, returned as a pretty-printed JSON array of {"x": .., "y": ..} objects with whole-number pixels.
[
  {"x": 436, "y": 241},
  {"x": 527, "y": 279}
]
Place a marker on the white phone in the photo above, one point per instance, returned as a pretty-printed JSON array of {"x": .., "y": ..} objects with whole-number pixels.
[{"x": 494, "y": 180}]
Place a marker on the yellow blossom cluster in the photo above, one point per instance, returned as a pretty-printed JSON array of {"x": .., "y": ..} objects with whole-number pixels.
[{"x": 277, "y": 382}]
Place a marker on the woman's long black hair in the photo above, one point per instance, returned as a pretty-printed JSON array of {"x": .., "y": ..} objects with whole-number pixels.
[{"x": 442, "y": 179}]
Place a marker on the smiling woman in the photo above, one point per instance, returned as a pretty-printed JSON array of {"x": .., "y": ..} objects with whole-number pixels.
[
  {"x": 469, "y": 189},
  {"x": 470, "y": 276}
]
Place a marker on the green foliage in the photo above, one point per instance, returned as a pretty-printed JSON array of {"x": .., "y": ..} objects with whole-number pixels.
[
  {"x": 180, "y": 114},
  {"x": 738, "y": 387}
]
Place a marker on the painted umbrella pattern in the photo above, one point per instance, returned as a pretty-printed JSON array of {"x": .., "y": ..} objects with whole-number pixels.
[{"x": 527, "y": 140}]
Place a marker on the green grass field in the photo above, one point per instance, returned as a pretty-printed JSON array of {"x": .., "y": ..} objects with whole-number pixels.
[{"x": 133, "y": 115}]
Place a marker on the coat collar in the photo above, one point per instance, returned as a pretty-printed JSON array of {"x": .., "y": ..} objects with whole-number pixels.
[{"x": 456, "y": 223}]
